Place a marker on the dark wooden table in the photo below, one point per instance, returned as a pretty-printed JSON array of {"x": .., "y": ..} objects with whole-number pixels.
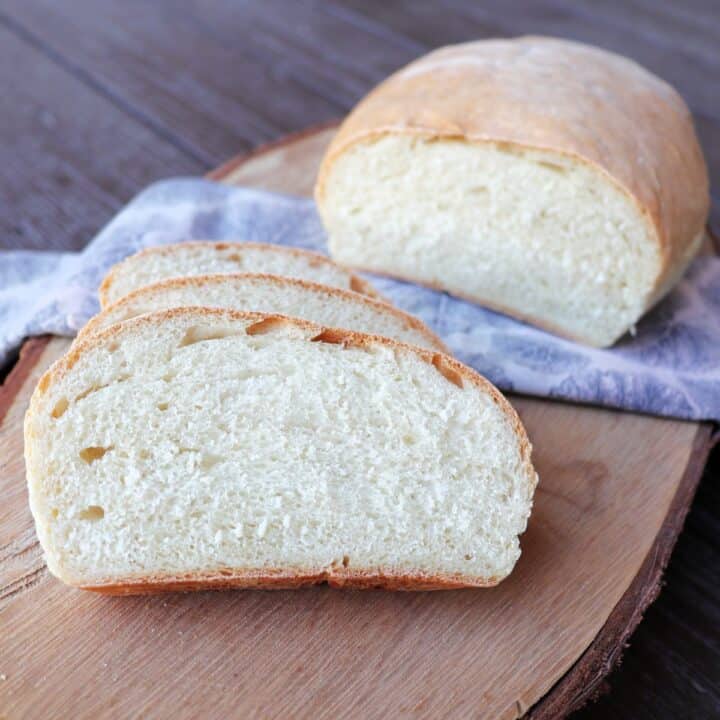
[{"x": 102, "y": 97}]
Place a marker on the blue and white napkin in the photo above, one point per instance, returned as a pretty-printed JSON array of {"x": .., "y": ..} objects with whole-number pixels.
[{"x": 670, "y": 367}]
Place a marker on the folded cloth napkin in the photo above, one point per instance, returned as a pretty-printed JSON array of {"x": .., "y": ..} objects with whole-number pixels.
[{"x": 670, "y": 367}]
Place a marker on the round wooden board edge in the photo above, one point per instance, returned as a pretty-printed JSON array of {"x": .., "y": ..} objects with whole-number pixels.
[
  {"x": 583, "y": 681},
  {"x": 30, "y": 353},
  {"x": 229, "y": 167}
]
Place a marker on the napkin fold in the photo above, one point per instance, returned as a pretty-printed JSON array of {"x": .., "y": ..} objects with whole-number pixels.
[{"x": 670, "y": 367}]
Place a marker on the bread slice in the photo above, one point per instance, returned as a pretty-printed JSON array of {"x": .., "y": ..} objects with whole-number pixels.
[
  {"x": 204, "y": 258},
  {"x": 198, "y": 448},
  {"x": 272, "y": 294},
  {"x": 551, "y": 180}
]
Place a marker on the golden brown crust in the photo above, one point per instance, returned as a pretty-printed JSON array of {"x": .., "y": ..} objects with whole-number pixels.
[
  {"x": 282, "y": 580},
  {"x": 410, "y": 321},
  {"x": 552, "y": 95},
  {"x": 337, "y": 577},
  {"x": 356, "y": 283}
]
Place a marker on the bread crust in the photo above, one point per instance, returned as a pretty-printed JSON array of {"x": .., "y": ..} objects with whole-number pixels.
[
  {"x": 282, "y": 580},
  {"x": 607, "y": 112},
  {"x": 410, "y": 321},
  {"x": 357, "y": 284},
  {"x": 340, "y": 576}
]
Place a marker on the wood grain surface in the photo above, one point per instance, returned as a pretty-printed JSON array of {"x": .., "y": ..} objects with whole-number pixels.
[
  {"x": 103, "y": 97},
  {"x": 608, "y": 482}
]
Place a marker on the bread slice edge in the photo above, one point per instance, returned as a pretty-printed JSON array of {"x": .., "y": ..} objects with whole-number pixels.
[
  {"x": 410, "y": 321},
  {"x": 357, "y": 284}
]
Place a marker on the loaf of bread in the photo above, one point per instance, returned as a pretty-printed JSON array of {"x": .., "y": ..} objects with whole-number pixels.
[
  {"x": 321, "y": 304},
  {"x": 204, "y": 258},
  {"x": 547, "y": 179},
  {"x": 196, "y": 448}
]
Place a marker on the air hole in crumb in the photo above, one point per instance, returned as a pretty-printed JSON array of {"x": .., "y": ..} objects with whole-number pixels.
[
  {"x": 332, "y": 336},
  {"x": 358, "y": 285},
  {"x": 91, "y": 454},
  {"x": 60, "y": 407},
  {"x": 442, "y": 365},
  {"x": 346, "y": 560},
  {"x": 96, "y": 388},
  {"x": 85, "y": 393},
  {"x": 169, "y": 376},
  {"x": 209, "y": 461},
  {"x": 235, "y": 257},
  {"x": 468, "y": 557},
  {"x": 552, "y": 166},
  {"x": 409, "y": 440},
  {"x": 267, "y": 325},
  {"x": 197, "y": 334},
  {"x": 92, "y": 513},
  {"x": 113, "y": 347},
  {"x": 163, "y": 406},
  {"x": 54, "y": 513}
]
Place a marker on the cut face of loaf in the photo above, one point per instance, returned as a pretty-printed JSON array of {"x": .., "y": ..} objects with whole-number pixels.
[
  {"x": 205, "y": 258},
  {"x": 201, "y": 447},
  {"x": 324, "y": 305},
  {"x": 543, "y": 178}
]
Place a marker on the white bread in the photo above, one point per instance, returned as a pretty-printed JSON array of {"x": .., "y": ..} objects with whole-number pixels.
[
  {"x": 198, "y": 447},
  {"x": 272, "y": 294},
  {"x": 550, "y": 180},
  {"x": 205, "y": 258}
]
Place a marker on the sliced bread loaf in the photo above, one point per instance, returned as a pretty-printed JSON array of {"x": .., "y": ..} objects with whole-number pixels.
[
  {"x": 550, "y": 180},
  {"x": 272, "y": 294},
  {"x": 196, "y": 447},
  {"x": 204, "y": 258}
]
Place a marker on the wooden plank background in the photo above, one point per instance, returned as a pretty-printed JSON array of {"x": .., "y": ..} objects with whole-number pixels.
[{"x": 102, "y": 97}]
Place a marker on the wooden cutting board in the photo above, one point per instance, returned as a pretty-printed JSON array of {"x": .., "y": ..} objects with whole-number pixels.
[{"x": 614, "y": 491}]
